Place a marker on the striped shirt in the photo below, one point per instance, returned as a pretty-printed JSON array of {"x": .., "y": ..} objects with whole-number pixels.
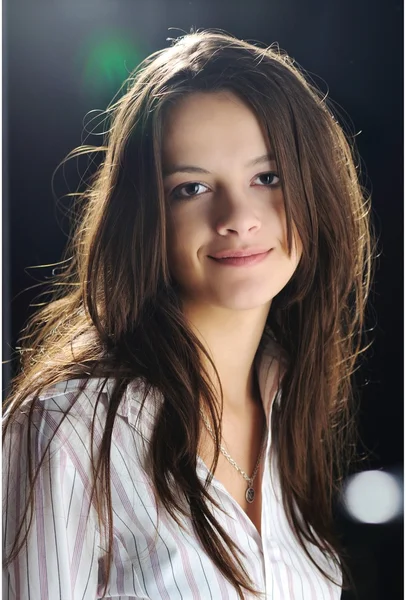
[{"x": 152, "y": 559}]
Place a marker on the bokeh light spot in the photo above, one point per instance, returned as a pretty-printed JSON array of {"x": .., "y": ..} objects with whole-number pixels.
[
  {"x": 107, "y": 58},
  {"x": 373, "y": 497}
]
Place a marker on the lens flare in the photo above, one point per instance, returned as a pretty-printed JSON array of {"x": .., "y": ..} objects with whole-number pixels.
[
  {"x": 373, "y": 497},
  {"x": 107, "y": 59}
]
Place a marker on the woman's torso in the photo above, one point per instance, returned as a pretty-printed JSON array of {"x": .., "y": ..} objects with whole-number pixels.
[{"x": 152, "y": 559}]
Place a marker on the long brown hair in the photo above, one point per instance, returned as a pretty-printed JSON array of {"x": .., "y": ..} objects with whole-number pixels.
[{"x": 119, "y": 314}]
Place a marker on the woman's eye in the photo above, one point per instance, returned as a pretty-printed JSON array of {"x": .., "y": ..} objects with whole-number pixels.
[
  {"x": 188, "y": 190},
  {"x": 271, "y": 179}
]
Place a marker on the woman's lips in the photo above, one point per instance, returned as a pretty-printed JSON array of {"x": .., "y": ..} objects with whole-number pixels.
[{"x": 242, "y": 261}]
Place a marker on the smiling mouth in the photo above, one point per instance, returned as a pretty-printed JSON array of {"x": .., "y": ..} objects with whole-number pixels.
[
  {"x": 239, "y": 252},
  {"x": 241, "y": 261}
]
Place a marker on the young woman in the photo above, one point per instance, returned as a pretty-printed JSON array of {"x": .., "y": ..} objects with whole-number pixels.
[{"x": 179, "y": 424}]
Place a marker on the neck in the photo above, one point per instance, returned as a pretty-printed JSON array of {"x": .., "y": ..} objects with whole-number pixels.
[{"x": 231, "y": 339}]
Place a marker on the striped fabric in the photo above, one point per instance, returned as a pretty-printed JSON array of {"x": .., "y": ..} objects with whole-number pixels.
[{"x": 153, "y": 560}]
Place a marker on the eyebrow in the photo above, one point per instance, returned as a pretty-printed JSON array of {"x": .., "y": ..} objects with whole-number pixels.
[{"x": 171, "y": 170}]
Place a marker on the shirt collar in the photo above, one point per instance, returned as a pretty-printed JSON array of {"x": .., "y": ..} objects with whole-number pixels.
[{"x": 270, "y": 364}]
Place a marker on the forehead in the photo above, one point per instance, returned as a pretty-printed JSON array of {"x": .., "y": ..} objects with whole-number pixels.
[{"x": 210, "y": 127}]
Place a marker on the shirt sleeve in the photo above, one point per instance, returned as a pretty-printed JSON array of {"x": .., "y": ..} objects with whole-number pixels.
[{"x": 60, "y": 557}]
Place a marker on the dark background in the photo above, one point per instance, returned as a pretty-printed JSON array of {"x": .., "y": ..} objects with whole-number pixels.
[{"x": 64, "y": 58}]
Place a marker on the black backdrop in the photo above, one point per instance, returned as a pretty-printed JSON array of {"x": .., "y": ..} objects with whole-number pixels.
[{"x": 64, "y": 58}]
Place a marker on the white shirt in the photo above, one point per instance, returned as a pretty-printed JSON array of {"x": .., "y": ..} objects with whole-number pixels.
[{"x": 61, "y": 559}]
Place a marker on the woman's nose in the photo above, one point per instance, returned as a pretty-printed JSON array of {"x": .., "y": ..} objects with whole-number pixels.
[{"x": 235, "y": 212}]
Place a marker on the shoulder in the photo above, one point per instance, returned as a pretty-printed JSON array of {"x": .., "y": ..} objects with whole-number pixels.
[{"x": 79, "y": 408}]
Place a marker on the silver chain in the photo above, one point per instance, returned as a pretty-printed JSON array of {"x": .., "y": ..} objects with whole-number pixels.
[{"x": 230, "y": 459}]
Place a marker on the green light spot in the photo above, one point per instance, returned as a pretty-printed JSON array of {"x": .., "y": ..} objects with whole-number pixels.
[{"x": 107, "y": 60}]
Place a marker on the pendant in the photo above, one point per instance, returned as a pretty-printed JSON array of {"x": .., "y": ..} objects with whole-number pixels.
[{"x": 250, "y": 495}]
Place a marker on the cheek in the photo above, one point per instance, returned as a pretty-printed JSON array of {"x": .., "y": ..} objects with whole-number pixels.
[
  {"x": 185, "y": 228},
  {"x": 297, "y": 246},
  {"x": 181, "y": 245},
  {"x": 170, "y": 240}
]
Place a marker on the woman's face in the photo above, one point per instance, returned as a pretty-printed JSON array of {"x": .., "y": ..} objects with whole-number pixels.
[{"x": 223, "y": 195}]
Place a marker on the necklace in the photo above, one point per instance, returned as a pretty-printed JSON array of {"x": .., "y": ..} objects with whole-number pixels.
[{"x": 250, "y": 492}]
